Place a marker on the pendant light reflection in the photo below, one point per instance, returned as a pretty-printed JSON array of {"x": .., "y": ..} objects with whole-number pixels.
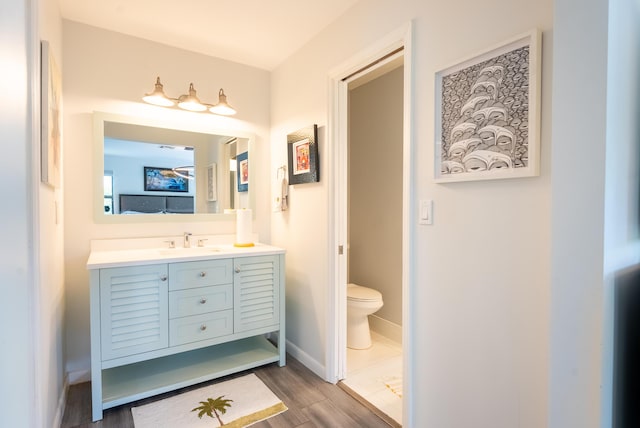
[
  {"x": 189, "y": 101},
  {"x": 184, "y": 171}
]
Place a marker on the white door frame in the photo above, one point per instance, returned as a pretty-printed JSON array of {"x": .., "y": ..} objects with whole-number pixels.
[{"x": 337, "y": 156}]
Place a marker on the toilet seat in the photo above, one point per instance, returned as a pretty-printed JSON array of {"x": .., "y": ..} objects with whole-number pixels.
[{"x": 359, "y": 293}]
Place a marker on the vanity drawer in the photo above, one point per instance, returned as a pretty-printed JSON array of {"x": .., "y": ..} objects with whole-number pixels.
[
  {"x": 200, "y": 327},
  {"x": 196, "y": 301},
  {"x": 200, "y": 274}
]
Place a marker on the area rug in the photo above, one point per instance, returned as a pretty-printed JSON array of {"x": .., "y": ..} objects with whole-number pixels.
[{"x": 235, "y": 403}]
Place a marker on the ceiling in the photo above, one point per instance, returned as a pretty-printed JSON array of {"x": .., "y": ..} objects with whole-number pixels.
[{"x": 260, "y": 33}]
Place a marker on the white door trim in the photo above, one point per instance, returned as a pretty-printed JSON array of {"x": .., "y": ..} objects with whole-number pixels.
[{"x": 337, "y": 157}]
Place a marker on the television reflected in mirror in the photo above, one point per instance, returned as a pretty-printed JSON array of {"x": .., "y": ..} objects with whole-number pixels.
[{"x": 148, "y": 171}]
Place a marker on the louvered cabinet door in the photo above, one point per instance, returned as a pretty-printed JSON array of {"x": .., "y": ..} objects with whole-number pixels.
[
  {"x": 256, "y": 293},
  {"x": 134, "y": 310}
]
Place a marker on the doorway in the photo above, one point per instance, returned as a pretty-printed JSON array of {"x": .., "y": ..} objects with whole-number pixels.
[
  {"x": 392, "y": 53},
  {"x": 374, "y": 234}
]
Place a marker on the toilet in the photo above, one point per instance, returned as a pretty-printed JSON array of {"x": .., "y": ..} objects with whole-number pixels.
[{"x": 361, "y": 302}]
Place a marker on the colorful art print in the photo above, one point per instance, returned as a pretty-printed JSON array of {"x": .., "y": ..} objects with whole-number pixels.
[
  {"x": 302, "y": 150},
  {"x": 244, "y": 172},
  {"x": 164, "y": 180},
  {"x": 242, "y": 161},
  {"x": 487, "y": 114}
]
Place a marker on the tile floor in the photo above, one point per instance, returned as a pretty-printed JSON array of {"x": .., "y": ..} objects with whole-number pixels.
[{"x": 376, "y": 375}]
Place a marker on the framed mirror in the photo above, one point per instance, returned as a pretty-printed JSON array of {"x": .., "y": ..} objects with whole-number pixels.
[{"x": 147, "y": 171}]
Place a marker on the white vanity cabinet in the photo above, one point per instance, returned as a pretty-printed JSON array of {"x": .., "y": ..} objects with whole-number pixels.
[{"x": 158, "y": 326}]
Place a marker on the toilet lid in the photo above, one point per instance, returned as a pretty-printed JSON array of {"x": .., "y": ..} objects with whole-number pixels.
[{"x": 358, "y": 292}]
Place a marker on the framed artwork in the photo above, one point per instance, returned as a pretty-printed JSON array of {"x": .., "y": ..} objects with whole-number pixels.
[
  {"x": 242, "y": 171},
  {"x": 302, "y": 148},
  {"x": 164, "y": 180},
  {"x": 488, "y": 114},
  {"x": 212, "y": 182},
  {"x": 50, "y": 117}
]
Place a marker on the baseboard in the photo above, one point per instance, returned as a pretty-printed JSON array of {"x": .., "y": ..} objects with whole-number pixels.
[
  {"x": 306, "y": 360},
  {"x": 386, "y": 328},
  {"x": 62, "y": 403},
  {"x": 79, "y": 376}
]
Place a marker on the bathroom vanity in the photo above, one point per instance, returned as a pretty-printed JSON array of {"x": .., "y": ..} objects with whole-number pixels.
[{"x": 165, "y": 318}]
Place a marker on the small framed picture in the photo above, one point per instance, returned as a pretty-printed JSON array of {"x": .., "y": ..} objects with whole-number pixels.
[
  {"x": 242, "y": 161},
  {"x": 212, "y": 182},
  {"x": 51, "y": 117},
  {"x": 488, "y": 114},
  {"x": 302, "y": 148}
]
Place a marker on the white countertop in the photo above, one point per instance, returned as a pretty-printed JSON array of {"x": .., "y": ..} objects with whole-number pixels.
[{"x": 146, "y": 256}]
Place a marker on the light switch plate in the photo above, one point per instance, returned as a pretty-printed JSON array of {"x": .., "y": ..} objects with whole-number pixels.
[
  {"x": 425, "y": 212},
  {"x": 276, "y": 204}
]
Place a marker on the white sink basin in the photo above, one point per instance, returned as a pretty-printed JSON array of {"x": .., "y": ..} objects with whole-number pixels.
[{"x": 182, "y": 252}]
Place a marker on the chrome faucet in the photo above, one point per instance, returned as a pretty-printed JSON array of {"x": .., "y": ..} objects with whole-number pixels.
[{"x": 187, "y": 240}]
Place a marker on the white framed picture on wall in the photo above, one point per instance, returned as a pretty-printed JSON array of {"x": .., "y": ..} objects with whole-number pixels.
[
  {"x": 488, "y": 113},
  {"x": 212, "y": 182}
]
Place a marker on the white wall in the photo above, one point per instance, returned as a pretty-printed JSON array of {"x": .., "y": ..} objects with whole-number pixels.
[
  {"x": 595, "y": 232},
  {"x": 480, "y": 296},
  {"x": 622, "y": 177},
  {"x": 375, "y": 190},
  {"x": 622, "y": 188},
  {"x": 128, "y": 176},
  {"x": 31, "y": 270},
  {"x": 109, "y": 72},
  {"x": 51, "y": 292},
  {"x": 17, "y": 286},
  {"x": 622, "y": 191}
]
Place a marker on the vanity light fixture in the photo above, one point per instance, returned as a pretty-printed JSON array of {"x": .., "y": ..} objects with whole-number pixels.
[
  {"x": 222, "y": 107},
  {"x": 157, "y": 97},
  {"x": 189, "y": 101}
]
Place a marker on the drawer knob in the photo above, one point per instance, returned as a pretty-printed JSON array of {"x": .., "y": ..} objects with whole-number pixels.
[
  {"x": 203, "y": 274},
  {"x": 163, "y": 277},
  {"x": 237, "y": 270},
  {"x": 203, "y": 327},
  {"x": 203, "y": 300}
]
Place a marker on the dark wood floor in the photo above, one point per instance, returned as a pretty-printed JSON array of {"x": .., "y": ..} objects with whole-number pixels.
[{"x": 312, "y": 402}]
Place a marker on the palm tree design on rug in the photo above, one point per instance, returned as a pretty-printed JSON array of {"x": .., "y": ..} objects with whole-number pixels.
[{"x": 212, "y": 406}]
